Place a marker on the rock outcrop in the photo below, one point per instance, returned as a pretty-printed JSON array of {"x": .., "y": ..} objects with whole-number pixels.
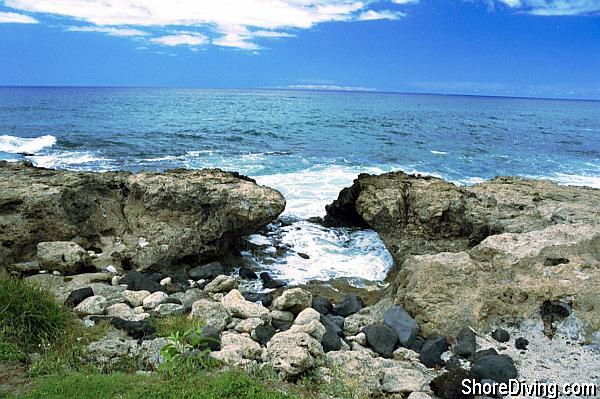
[
  {"x": 145, "y": 221},
  {"x": 481, "y": 255}
]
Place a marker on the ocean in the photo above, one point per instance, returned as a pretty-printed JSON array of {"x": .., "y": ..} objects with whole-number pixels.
[{"x": 307, "y": 144}]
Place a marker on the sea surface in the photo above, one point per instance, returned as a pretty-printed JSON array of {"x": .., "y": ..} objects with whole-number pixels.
[{"x": 308, "y": 145}]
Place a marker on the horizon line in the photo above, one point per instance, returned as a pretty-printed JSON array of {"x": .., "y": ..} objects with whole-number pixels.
[{"x": 322, "y": 90}]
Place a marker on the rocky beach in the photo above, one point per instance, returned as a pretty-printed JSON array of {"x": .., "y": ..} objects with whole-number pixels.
[{"x": 490, "y": 282}]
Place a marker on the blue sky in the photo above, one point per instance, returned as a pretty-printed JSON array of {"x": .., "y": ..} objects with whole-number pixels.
[{"x": 547, "y": 48}]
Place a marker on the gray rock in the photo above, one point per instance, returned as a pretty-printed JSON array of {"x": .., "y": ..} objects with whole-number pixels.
[
  {"x": 160, "y": 218},
  {"x": 293, "y": 352},
  {"x": 431, "y": 353},
  {"x": 293, "y": 299},
  {"x": 382, "y": 339},
  {"x": 405, "y": 326},
  {"x": 207, "y": 272},
  {"x": 349, "y": 305},
  {"x": 221, "y": 284},
  {"x": 155, "y": 299},
  {"x": 135, "y": 298},
  {"x": 62, "y": 256},
  {"x": 499, "y": 368},
  {"x": 237, "y": 306},
  {"x": 169, "y": 309},
  {"x": 466, "y": 344},
  {"x": 94, "y": 305},
  {"x": 212, "y": 313}
]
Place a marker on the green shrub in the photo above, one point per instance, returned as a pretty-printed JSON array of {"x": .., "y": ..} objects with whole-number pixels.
[
  {"x": 30, "y": 316},
  {"x": 165, "y": 326}
]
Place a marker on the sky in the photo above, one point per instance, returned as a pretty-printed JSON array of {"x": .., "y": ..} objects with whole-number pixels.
[{"x": 538, "y": 48}]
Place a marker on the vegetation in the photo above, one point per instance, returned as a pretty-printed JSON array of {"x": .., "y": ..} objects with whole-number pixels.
[
  {"x": 29, "y": 318},
  {"x": 229, "y": 384}
]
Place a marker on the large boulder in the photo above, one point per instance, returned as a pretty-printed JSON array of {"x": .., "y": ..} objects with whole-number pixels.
[
  {"x": 481, "y": 255},
  {"x": 370, "y": 376},
  {"x": 293, "y": 352},
  {"x": 144, "y": 221},
  {"x": 211, "y": 313},
  {"x": 62, "y": 256},
  {"x": 505, "y": 278}
]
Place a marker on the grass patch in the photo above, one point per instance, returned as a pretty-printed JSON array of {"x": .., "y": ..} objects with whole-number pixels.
[
  {"x": 229, "y": 384},
  {"x": 165, "y": 326},
  {"x": 30, "y": 316}
]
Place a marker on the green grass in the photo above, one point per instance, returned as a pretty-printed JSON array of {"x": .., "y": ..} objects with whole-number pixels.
[
  {"x": 29, "y": 316},
  {"x": 165, "y": 326},
  {"x": 229, "y": 384}
]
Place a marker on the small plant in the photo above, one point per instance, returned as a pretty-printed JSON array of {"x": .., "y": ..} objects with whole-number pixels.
[{"x": 187, "y": 348}]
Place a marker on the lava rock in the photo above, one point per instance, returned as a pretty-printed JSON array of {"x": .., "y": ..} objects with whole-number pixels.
[
  {"x": 322, "y": 305},
  {"x": 207, "y": 272},
  {"x": 466, "y": 344},
  {"x": 77, "y": 296},
  {"x": 135, "y": 329},
  {"x": 433, "y": 348},
  {"x": 270, "y": 282},
  {"x": 405, "y": 326},
  {"x": 501, "y": 335},
  {"x": 338, "y": 321},
  {"x": 417, "y": 344},
  {"x": 263, "y": 334},
  {"x": 350, "y": 304},
  {"x": 247, "y": 274},
  {"x": 331, "y": 339},
  {"x": 553, "y": 312},
  {"x": 281, "y": 325},
  {"x": 521, "y": 343},
  {"x": 266, "y": 298},
  {"x": 499, "y": 368},
  {"x": 136, "y": 281},
  {"x": 484, "y": 352},
  {"x": 303, "y": 255},
  {"x": 450, "y": 385},
  {"x": 211, "y": 339},
  {"x": 382, "y": 338}
]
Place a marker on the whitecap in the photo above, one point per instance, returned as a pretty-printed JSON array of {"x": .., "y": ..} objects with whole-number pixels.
[
  {"x": 438, "y": 152},
  {"x": 15, "y": 145}
]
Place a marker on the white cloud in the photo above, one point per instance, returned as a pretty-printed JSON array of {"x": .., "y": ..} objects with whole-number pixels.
[
  {"x": 181, "y": 39},
  {"x": 371, "y": 15},
  {"x": 237, "y": 22},
  {"x": 14, "y": 18},
  {"x": 109, "y": 30},
  {"x": 555, "y": 7},
  {"x": 330, "y": 87}
]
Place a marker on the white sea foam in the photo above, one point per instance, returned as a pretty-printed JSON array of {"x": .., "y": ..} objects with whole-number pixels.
[
  {"x": 336, "y": 252},
  {"x": 70, "y": 160},
  {"x": 575, "y": 180},
  {"x": 308, "y": 191},
  {"x": 14, "y": 145},
  {"x": 438, "y": 152}
]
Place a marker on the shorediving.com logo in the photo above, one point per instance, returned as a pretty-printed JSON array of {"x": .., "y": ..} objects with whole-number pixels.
[{"x": 522, "y": 388}]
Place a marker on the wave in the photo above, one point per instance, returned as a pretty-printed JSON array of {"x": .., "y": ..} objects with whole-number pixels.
[{"x": 22, "y": 145}]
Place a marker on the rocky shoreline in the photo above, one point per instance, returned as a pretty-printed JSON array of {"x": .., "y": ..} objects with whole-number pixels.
[{"x": 470, "y": 264}]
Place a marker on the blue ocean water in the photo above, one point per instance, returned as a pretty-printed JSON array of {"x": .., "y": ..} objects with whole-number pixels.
[{"x": 306, "y": 144}]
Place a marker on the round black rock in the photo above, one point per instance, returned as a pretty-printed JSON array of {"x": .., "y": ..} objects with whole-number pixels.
[
  {"x": 322, "y": 305},
  {"x": 433, "y": 348},
  {"x": 501, "y": 335},
  {"x": 349, "y": 305},
  {"x": 521, "y": 343},
  {"x": 266, "y": 298},
  {"x": 247, "y": 274},
  {"x": 466, "y": 344},
  {"x": 264, "y": 333},
  {"x": 331, "y": 339},
  {"x": 270, "y": 282},
  {"x": 499, "y": 368},
  {"x": 382, "y": 338},
  {"x": 211, "y": 338}
]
